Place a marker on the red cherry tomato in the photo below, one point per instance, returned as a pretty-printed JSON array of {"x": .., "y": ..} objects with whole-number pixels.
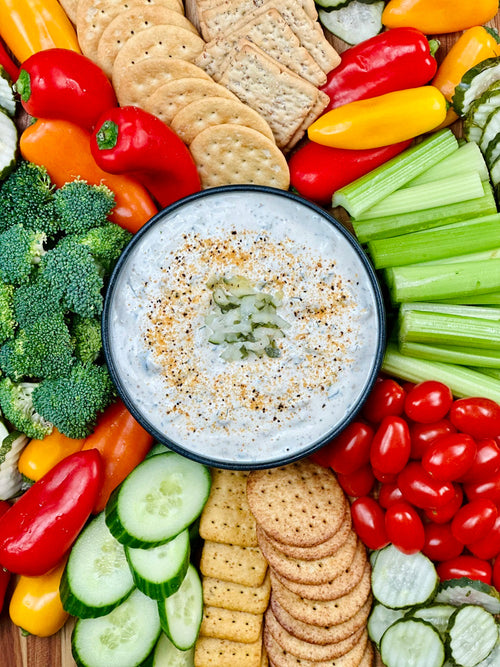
[
  {"x": 479, "y": 417},
  {"x": 389, "y": 493},
  {"x": 428, "y": 402},
  {"x": 489, "y": 546},
  {"x": 350, "y": 450},
  {"x": 390, "y": 448},
  {"x": 368, "y": 520},
  {"x": 385, "y": 477},
  {"x": 440, "y": 543},
  {"x": 496, "y": 573},
  {"x": 422, "y": 490},
  {"x": 446, "y": 512},
  {"x": 423, "y": 435},
  {"x": 465, "y": 566},
  {"x": 386, "y": 398},
  {"x": 450, "y": 456},
  {"x": 486, "y": 462},
  {"x": 357, "y": 483},
  {"x": 474, "y": 520},
  {"x": 405, "y": 528},
  {"x": 489, "y": 488}
]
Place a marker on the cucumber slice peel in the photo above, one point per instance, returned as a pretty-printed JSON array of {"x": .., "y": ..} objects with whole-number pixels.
[
  {"x": 181, "y": 613},
  {"x": 472, "y": 635},
  {"x": 468, "y": 591},
  {"x": 412, "y": 642},
  {"x": 474, "y": 83}
]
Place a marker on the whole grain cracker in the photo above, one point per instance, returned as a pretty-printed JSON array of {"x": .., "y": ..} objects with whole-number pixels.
[
  {"x": 324, "y": 612},
  {"x": 316, "y": 634},
  {"x": 172, "y": 96},
  {"x": 281, "y": 97},
  {"x": 131, "y": 22},
  {"x": 241, "y": 565},
  {"x": 271, "y": 33},
  {"x": 226, "y": 594},
  {"x": 315, "y": 111},
  {"x": 300, "y": 504},
  {"x": 230, "y": 154},
  {"x": 212, "y": 652},
  {"x": 140, "y": 79},
  {"x": 219, "y": 17},
  {"x": 208, "y": 111},
  {"x": 340, "y": 585},
  {"x": 311, "y": 572},
  {"x": 307, "y": 650},
  {"x": 94, "y": 15},
  {"x": 282, "y": 658},
  {"x": 326, "y": 548},
  {"x": 237, "y": 626},
  {"x": 368, "y": 656},
  {"x": 70, "y": 8},
  {"x": 163, "y": 40}
]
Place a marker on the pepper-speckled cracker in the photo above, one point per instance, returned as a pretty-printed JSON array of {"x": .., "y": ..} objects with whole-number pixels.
[
  {"x": 300, "y": 504},
  {"x": 208, "y": 111},
  {"x": 229, "y": 595},
  {"x": 241, "y": 565},
  {"x": 230, "y": 154}
]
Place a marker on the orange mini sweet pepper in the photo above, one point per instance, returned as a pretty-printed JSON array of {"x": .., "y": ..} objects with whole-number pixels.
[
  {"x": 381, "y": 121},
  {"x": 433, "y": 17}
]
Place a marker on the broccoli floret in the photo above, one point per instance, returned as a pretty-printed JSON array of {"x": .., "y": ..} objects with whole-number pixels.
[
  {"x": 7, "y": 319},
  {"x": 86, "y": 335},
  {"x": 16, "y": 403},
  {"x": 26, "y": 197},
  {"x": 21, "y": 250},
  {"x": 80, "y": 206},
  {"x": 72, "y": 274},
  {"x": 42, "y": 349},
  {"x": 106, "y": 244},
  {"x": 73, "y": 403},
  {"x": 34, "y": 300}
]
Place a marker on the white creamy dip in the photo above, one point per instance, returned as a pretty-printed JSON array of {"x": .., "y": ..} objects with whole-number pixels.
[{"x": 258, "y": 409}]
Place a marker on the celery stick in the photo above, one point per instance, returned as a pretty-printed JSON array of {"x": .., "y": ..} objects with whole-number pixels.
[
  {"x": 461, "y": 380},
  {"x": 466, "y": 158},
  {"x": 443, "y": 281},
  {"x": 417, "y": 326},
  {"x": 438, "y": 193},
  {"x": 493, "y": 253},
  {"x": 463, "y": 356},
  {"x": 366, "y": 191},
  {"x": 488, "y": 299},
  {"x": 395, "y": 225},
  {"x": 488, "y": 313},
  {"x": 474, "y": 235},
  {"x": 491, "y": 372}
]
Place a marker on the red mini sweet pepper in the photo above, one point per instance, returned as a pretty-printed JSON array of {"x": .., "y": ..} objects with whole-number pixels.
[
  {"x": 7, "y": 63},
  {"x": 392, "y": 60},
  {"x": 4, "y": 574},
  {"x": 129, "y": 140},
  {"x": 38, "y": 530},
  {"x": 60, "y": 83},
  {"x": 317, "y": 171}
]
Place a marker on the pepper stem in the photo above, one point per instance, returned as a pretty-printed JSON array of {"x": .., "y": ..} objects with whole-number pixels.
[
  {"x": 23, "y": 85},
  {"x": 434, "y": 45},
  {"x": 107, "y": 135}
]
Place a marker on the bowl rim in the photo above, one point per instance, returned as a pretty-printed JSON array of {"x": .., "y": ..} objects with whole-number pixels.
[{"x": 291, "y": 457}]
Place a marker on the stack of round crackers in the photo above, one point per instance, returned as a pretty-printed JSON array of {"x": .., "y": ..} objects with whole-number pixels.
[{"x": 320, "y": 574}]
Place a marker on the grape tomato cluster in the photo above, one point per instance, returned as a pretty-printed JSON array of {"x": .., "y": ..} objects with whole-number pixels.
[{"x": 422, "y": 470}]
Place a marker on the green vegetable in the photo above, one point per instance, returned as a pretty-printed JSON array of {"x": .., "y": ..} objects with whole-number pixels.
[
  {"x": 472, "y": 635},
  {"x": 72, "y": 403},
  {"x": 8, "y": 147},
  {"x": 11, "y": 480},
  {"x": 461, "y": 355},
  {"x": 86, "y": 337},
  {"x": 80, "y": 206},
  {"x": 106, "y": 244},
  {"x": 7, "y": 319},
  {"x": 474, "y": 83},
  {"x": 466, "y": 159},
  {"x": 21, "y": 249},
  {"x": 42, "y": 349},
  {"x": 34, "y": 300},
  {"x": 412, "y": 642},
  {"x": 16, "y": 404}
]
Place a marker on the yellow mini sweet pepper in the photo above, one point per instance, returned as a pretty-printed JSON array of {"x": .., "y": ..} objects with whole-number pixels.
[
  {"x": 29, "y": 26},
  {"x": 40, "y": 456},
  {"x": 433, "y": 17},
  {"x": 381, "y": 121},
  {"x": 35, "y": 605}
]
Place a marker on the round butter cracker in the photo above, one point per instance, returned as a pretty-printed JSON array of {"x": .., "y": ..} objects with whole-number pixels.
[{"x": 231, "y": 154}]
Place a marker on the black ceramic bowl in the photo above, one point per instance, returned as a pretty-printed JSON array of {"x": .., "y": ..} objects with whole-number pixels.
[{"x": 261, "y": 411}]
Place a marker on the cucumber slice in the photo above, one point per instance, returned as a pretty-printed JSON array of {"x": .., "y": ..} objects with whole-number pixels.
[
  {"x": 8, "y": 145},
  {"x": 168, "y": 655},
  {"x": 7, "y": 99},
  {"x": 400, "y": 580},
  {"x": 495, "y": 172},
  {"x": 490, "y": 132},
  {"x": 159, "y": 571},
  {"x": 380, "y": 619},
  {"x": 11, "y": 447},
  {"x": 469, "y": 591},
  {"x": 472, "y": 635},
  {"x": 181, "y": 613},
  {"x": 412, "y": 642},
  {"x": 124, "y": 637},
  {"x": 493, "y": 660},
  {"x": 157, "y": 448},
  {"x": 474, "y": 82},
  {"x": 437, "y": 615},
  {"x": 161, "y": 497},
  {"x": 355, "y": 22},
  {"x": 332, "y": 4},
  {"x": 479, "y": 111},
  {"x": 97, "y": 576}
]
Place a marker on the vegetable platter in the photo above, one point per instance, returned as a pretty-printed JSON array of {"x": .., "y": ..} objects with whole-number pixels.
[{"x": 22, "y": 650}]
